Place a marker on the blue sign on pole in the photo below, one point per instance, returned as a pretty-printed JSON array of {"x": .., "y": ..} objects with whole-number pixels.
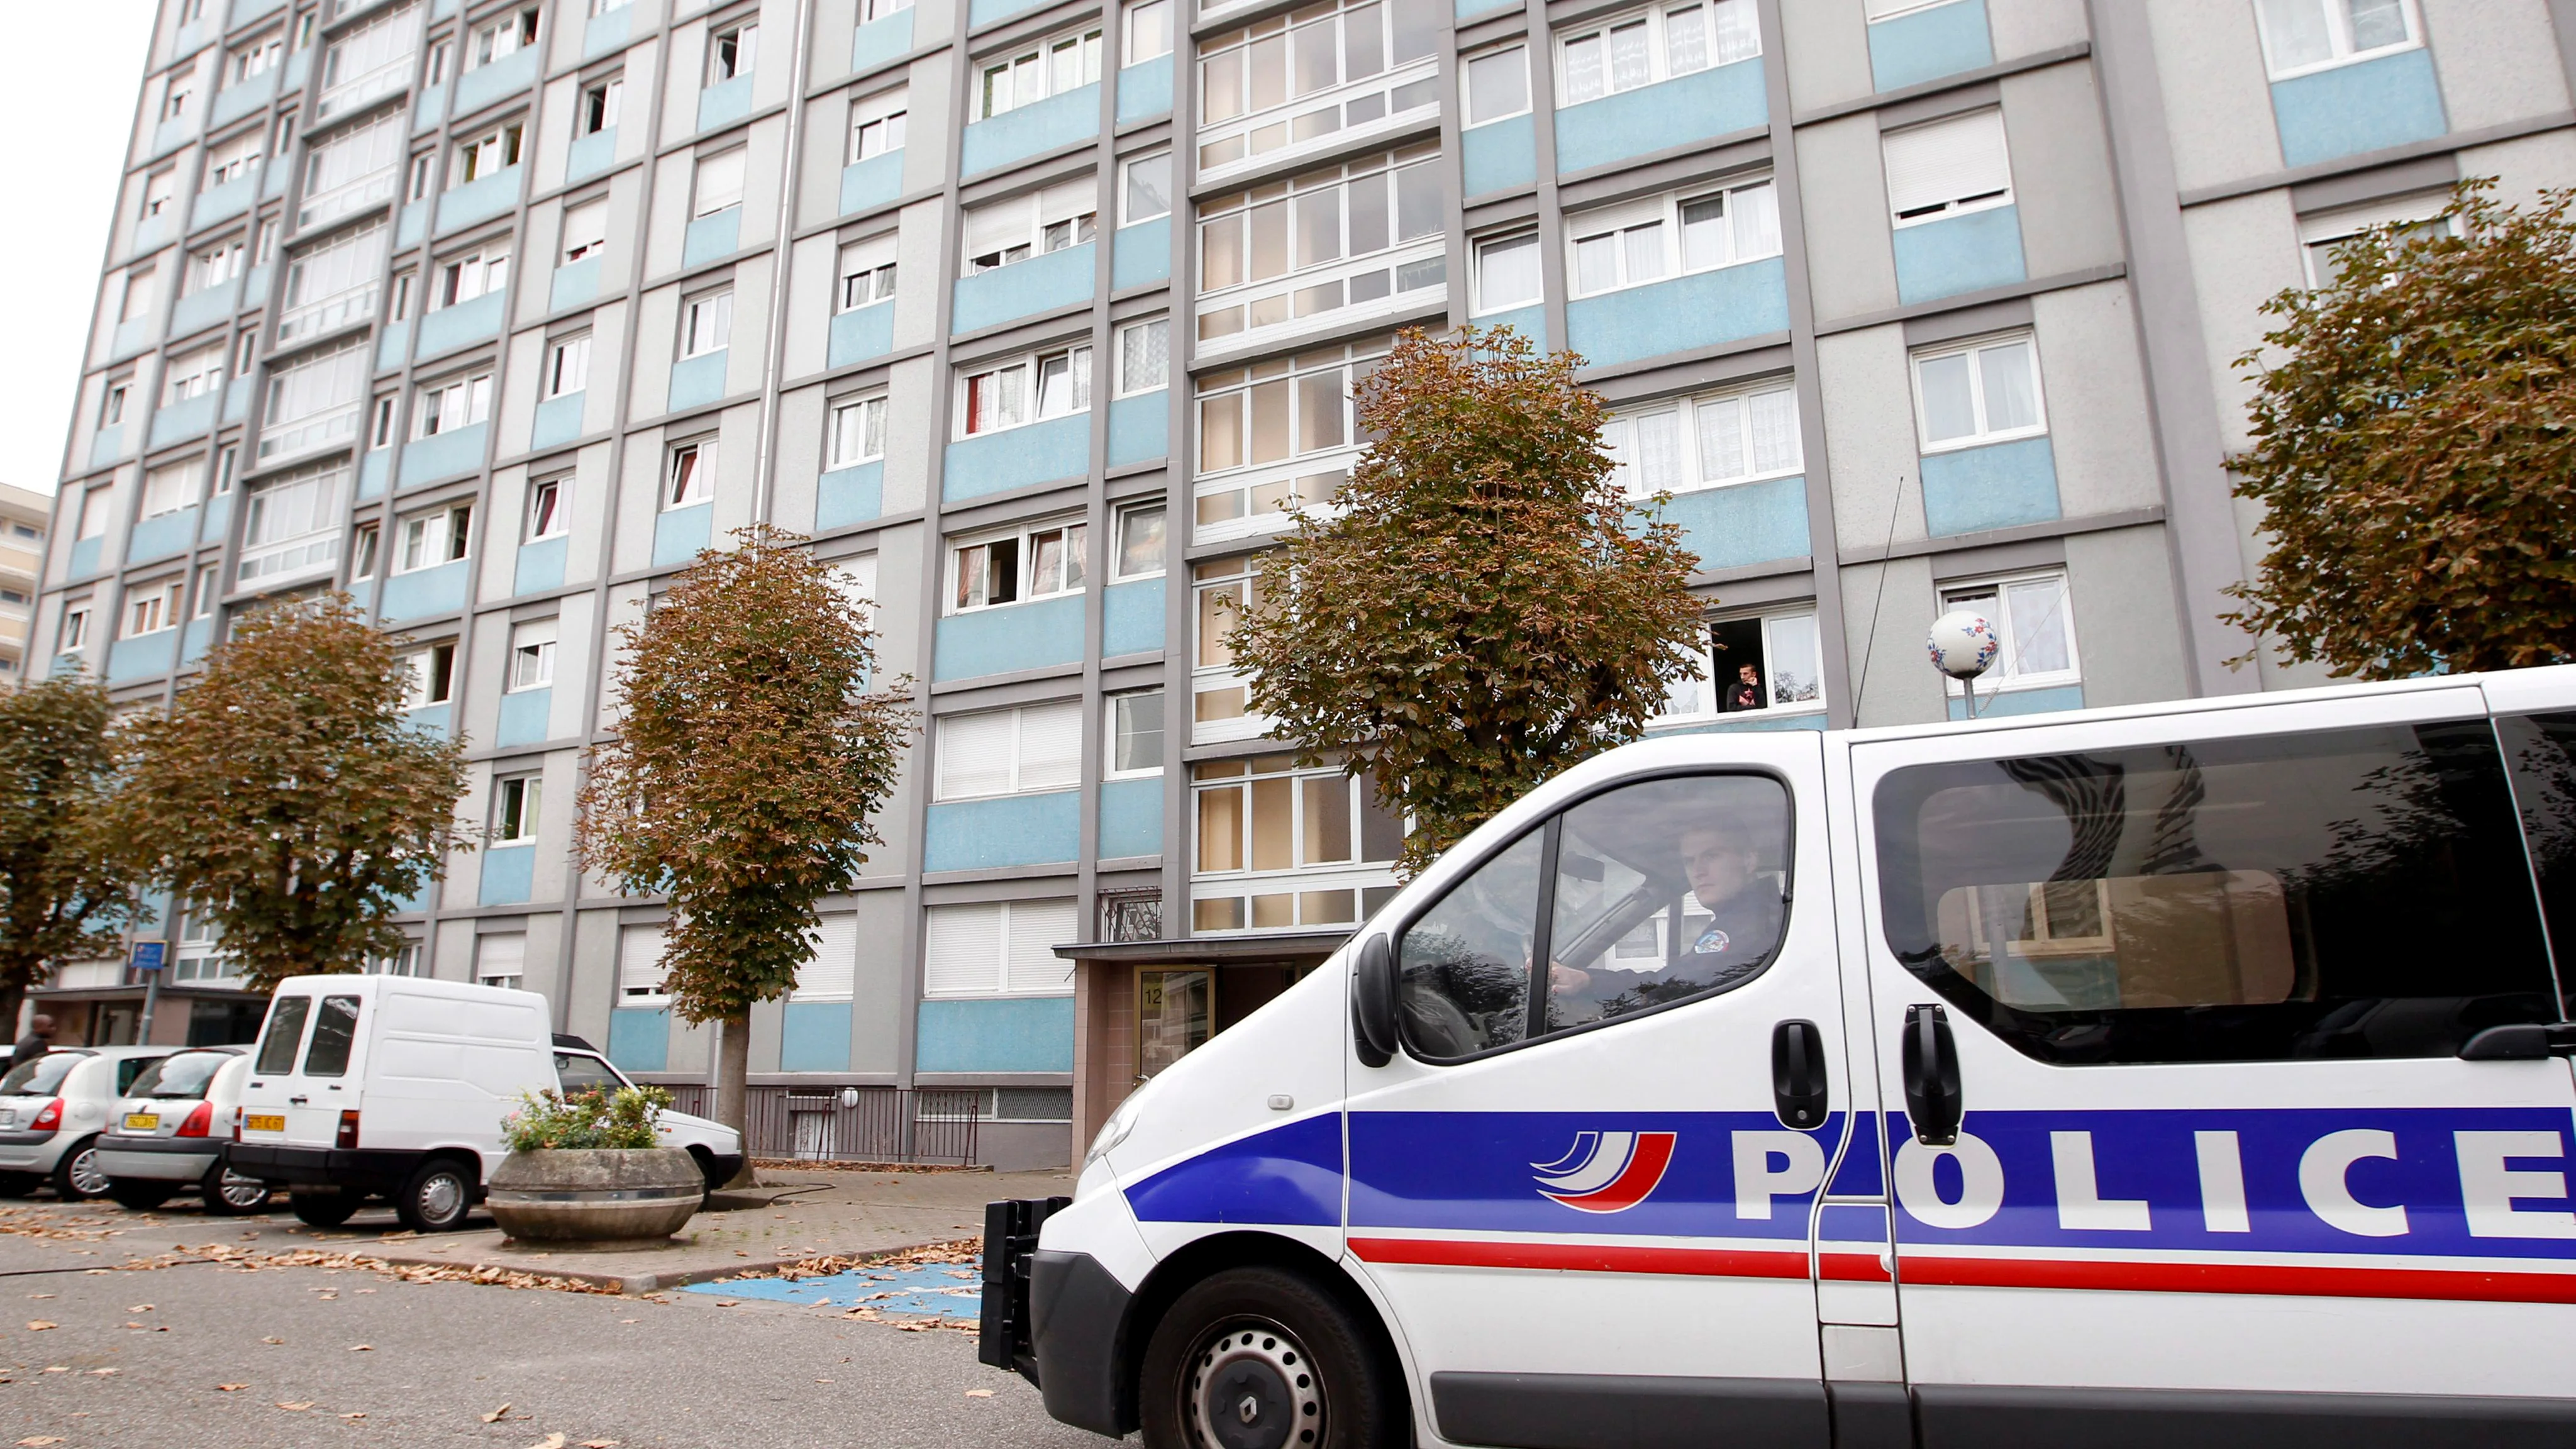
[{"x": 148, "y": 954}]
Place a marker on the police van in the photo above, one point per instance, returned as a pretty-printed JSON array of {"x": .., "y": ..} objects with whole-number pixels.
[{"x": 2188, "y": 1072}]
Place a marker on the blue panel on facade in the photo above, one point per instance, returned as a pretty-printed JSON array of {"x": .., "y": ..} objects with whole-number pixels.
[
  {"x": 699, "y": 380},
  {"x": 558, "y": 421},
  {"x": 2021, "y": 701},
  {"x": 1012, "y": 830},
  {"x": 172, "y": 134},
  {"x": 154, "y": 233},
  {"x": 372, "y": 470},
  {"x": 436, "y": 590},
  {"x": 1698, "y": 310},
  {"x": 814, "y": 1036},
  {"x": 141, "y": 657},
  {"x": 1997, "y": 486},
  {"x": 1013, "y": 1034},
  {"x": 1530, "y": 322},
  {"x": 1016, "y": 457},
  {"x": 539, "y": 567},
  {"x": 1131, "y": 818},
  {"x": 1140, "y": 428},
  {"x": 219, "y": 518},
  {"x": 1748, "y": 523},
  {"x": 872, "y": 183},
  {"x": 411, "y": 224},
  {"x": 505, "y": 77},
  {"x": 1140, "y": 255},
  {"x": 450, "y": 328},
  {"x": 1499, "y": 157},
  {"x": 980, "y": 13},
  {"x": 1929, "y": 44},
  {"x": 1659, "y": 117},
  {"x": 575, "y": 284},
  {"x": 480, "y": 200},
  {"x": 710, "y": 237},
  {"x": 451, "y": 454},
  {"x": 724, "y": 103},
  {"x": 1024, "y": 289},
  {"x": 1959, "y": 254},
  {"x": 605, "y": 33},
  {"x": 133, "y": 336},
  {"x": 2361, "y": 107},
  {"x": 1058, "y": 120},
  {"x": 234, "y": 102},
  {"x": 861, "y": 333},
  {"x": 639, "y": 1041},
  {"x": 880, "y": 41},
  {"x": 431, "y": 719},
  {"x": 509, "y": 875},
  {"x": 522, "y": 720},
  {"x": 1131, "y": 618},
  {"x": 1470, "y": 9},
  {"x": 106, "y": 446},
  {"x": 160, "y": 537},
  {"x": 1001, "y": 641},
  {"x": 203, "y": 308},
  {"x": 392, "y": 346},
  {"x": 847, "y": 496},
  {"x": 179, "y": 421},
  {"x": 593, "y": 153},
  {"x": 680, "y": 533},
  {"x": 193, "y": 641},
  {"x": 237, "y": 393},
  {"x": 1145, "y": 90},
  {"x": 431, "y": 110}
]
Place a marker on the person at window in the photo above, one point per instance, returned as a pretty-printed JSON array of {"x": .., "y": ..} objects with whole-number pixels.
[{"x": 1746, "y": 691}]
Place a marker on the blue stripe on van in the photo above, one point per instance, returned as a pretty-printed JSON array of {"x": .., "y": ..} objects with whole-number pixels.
[{"x": 1287, "y": 1175}]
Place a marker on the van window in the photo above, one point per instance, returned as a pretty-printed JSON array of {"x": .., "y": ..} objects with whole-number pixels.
[
  {"x": 2542, "y": 751},
  {"x": 577, "y": 1073},
  {"x": 335, "y": 1027},
  {"x": 1465, "y": 962},
  {"x": 2353, "y": 893},
  {"x": 285, "y": 1032}
]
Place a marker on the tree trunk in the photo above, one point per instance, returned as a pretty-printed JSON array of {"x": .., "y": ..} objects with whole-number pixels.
[
  {"x": 12, "y": 997},
  {"x": 733, "y": 1088}
]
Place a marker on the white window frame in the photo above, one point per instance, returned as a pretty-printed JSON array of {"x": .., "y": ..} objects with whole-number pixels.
[
  {"x": 1145, "y": 29},
  {"x": 2006, "y": 674},
  {"x": 711, "y": 189},
  {"x": 1236, "y": 884},
  {"x": 996, "y": 748},
  {"x": 706, "y": 323},
  {"x": 2339, "y": 37},
  {"x": 743, "y": 33},
  {"x": 868, "y": 269},
  {"x": 1692, "y": 418},
  {"x": 154, "y": 607},
  {"x": 1034, "y": 67},
  {"x": 1990, "y": 122},
  {"x": 233, "y": 158},
  {"x": 431, "y": 672},
  {"x": 641, "y": 979},
  {"x": 1033, "y": 224},
  {"x": 1268, "y": 494},
  {"x": 856, "y": 431},
  {"x": 503, "y": 36},
  {"x": 879, "y": 123},
  {"x": 592, "y": 240},
  {"x": 688, "y": 475},
  {"x": 1971, "y": 347},
  {"x": 1113, "y": 710},
  {"x": 1470, "y": 67},
  {"x": 72, "y": 636},
  {"x": 1213, "y": 670},
  {"x": 516, "y": 821},
  {"x": 1749, "y": 205},
  {"x": 1120, "y": 520},
  {"x": 478, "y": 273},
  {"x": 830, "y": 972},
  {"x": 1482, "y": 305},
  {"x": 193, "y": 374},
  {"x": 970, "y": 553},
  {"x": 567, "y": 367},
  {"x": 1023, "y": 936},
  {"x": 1242, "y": 310},
  {"x": 2321, "y": 232},
  {"x": 487, "y": 155},
  {"x": 549, "y": 508},
  {"x": 532, "y": 655},
  {"x": 1696, "y": 698},
  {"x": 434, "y": 537},
  {"x": 1033, "y": 372},
  {"x": 171, "y": 487},
  {"x": 1129, "y": 212},
  {"x": 601, "y": 100},
  {"x": 1730, "y": 18},
  {"x": 1153, "y": 336},
  {"x": 468, "y": 398}
]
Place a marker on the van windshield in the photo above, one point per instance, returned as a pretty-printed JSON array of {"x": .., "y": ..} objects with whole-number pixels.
[
  {"x": 182, "y": 1077},
  {"x": 42, "y": 1076},
  {"x": 285, "y": 1032}
]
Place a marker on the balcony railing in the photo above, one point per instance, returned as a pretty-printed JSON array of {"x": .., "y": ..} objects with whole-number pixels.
[
  {"x": 325, "y": 313},
  {"x": 347, "y": 197}
]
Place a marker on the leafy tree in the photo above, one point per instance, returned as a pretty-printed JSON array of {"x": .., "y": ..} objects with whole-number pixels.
[
  {"x": 2415, "y": 448},
  {"x": 748, "y": 759},
  {"x": 285, "y": 799},
  {"x": 1487, "y": 608},
  {"x": 64, "y": 889}
]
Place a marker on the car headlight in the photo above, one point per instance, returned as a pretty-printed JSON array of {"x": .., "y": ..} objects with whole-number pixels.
[{"x": 1115, "y": 1130}]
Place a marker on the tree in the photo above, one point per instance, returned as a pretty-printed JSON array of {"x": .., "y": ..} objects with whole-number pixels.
[
  {"x": 286, "y": 801},
  {"x": 1486, "y": 607},
  {"x": 64, "y": 889},
  {"x": 747, "y": 761},
  {"x": 2415, "y": 448}
]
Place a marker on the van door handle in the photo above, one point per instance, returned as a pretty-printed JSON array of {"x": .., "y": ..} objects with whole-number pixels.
[
  {"x": 296, "y": 1101},
  {"x": 1933, "y": 1098},
  {"x": 1799, "y": 1089}
]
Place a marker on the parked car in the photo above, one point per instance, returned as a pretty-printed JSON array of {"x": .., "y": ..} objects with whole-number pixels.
[
  {"x": 167, "y": 1134},
  {"x": 395, "y": 1087},
  {"x": 52, "y": 1110}
]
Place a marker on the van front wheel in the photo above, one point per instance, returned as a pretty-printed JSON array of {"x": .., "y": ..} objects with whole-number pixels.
[
  {"x": 437, "y": 1198},
  {"x": 1264, "y": 1358},
  {"x": 326, "y": 1207}
]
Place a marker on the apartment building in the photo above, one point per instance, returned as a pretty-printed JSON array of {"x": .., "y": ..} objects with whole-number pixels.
[
  {"x": 1040, "y": 317},
  {"x": 23, "y": 516}
]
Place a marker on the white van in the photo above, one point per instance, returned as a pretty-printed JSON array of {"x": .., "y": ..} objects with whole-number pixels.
[
  {"x": 395, "y": 1086},
  {"x": 2183, "y": 1073}
]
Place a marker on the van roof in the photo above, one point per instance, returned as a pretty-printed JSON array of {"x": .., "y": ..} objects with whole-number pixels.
[{"x": 354, "y": 984}]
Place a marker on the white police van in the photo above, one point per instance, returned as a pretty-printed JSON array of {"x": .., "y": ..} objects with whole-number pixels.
[{"x": 2184, "y": 1073}]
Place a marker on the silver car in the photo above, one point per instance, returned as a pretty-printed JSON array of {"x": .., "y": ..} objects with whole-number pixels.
[
  {"x": 167, "y": 1135},
  {"x": 52, "y": 1110}
]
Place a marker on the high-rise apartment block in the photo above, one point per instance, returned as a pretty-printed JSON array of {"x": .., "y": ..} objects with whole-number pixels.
[{"x": 1040, "y": 317}]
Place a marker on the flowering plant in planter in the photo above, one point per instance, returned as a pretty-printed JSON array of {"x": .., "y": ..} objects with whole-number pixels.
[{"x": 624, "y": 1119}]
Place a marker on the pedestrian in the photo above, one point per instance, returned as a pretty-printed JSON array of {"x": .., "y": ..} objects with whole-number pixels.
[{"x": 39, "y": 1038}]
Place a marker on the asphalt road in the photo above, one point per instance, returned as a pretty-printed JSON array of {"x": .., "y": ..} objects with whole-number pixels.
[{"x": 136, "y": 1359}]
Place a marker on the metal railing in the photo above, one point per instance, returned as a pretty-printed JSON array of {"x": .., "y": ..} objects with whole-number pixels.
[{"x": 885, "y": 1124}]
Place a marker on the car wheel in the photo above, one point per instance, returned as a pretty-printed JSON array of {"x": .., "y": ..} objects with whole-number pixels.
[
  {"x": 227, "y": 1193},
  {"x": 439, "y": 1195},
  {"x": 1265, "y": 1358},
  {"x": 141, "y": 1196},
  {"x": 76, "y": 1176},
  {"x": 326, "y": 1207}
]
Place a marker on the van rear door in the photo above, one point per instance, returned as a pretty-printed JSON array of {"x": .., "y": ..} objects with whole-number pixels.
[
  {"x": 2206, "y": 986},
  {"x": 305, "y": 1075}
]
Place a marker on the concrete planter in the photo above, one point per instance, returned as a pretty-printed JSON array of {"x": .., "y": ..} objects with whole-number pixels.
[{"x": 596, "y": 1194}]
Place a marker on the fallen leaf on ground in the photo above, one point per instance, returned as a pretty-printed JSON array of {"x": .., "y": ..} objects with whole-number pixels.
[
  {"x": 359, "y": 1415},
  {"x": 230, "y": 1388},
  {"x": 37, "y": 1325},
  {"x": 979, "y": 1393},
  {"x": 494, "y": 1417},
  {"x": 598, "y": 1444},
  {"x": 139, "y": 1308},
  {"x": 40, "y": 1440},
  {"x": 551, "y": 1441},
  {"x": 272, "y": 1340},
  {"x": 40, "y": 1295},
  {"x": 295, "y": 1408},
  {"x": 720, "y": 1303},
  {"x": 58, "y": 1368},
  {"x": 630, "y": 1320},
  {"x": 362, "y": 1348},
  {"x": 102, "y": 1373}
]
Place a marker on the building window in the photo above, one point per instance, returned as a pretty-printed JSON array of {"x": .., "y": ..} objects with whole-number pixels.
[
  {"x": 227, "y": 466},
  {"x": 1034, "y": 561},
  {"x": 432, "y": 674},
  {"x": 174, "y": 101},
  {"x": 2034, "y": 623},
  {"x": 1245, "y": 74},
  {"x": 732, "y": 53},
  {"x": 368, "y": 60},
  {"x": 230, "y": 160},
  {"x": 1144, "y": 356},
  {"x": 1703, "y": 442},
  {"x": 515, "y": 819},
  {"x": 94, "y": 508},
  {"x": 497, "y": 39},
  {"x": 1277, "y": 436},
  {"x": 1507, "y": 272},
  {"x": 380, "y": 423},
  {"x": 405, "y": 283},
  {"x": 998, "y": 948},
  {"x": 457, "y": 402},
  {"x": 1135, "y": 734},
  {"x": 209, "y": 586},
  {"x": 1279, "y": 847},
  {"x": 1022, "y": 751},
  {"x": 719, "y": 181},
  {"x": 585, "y": 229},
  {"x": 548, "y": 513},
  {"x": 75, "y": 631},
  {"x": 158, "y": 190},
  {"x": 470, "y": 276},
  {"x": 362, "y": 555},
  {"x": 1947, "y": 168},
  {"x": 436, "y": 537},
  {"x": 136, "y": 304},
  {"x": 171, "y": 488},
  {"x": 1329, "y": 219},
  {"x": 404, "y": 962},
  {"x": 1050, "y": 68},
  {"x": 1497, "y": 84},
  {"x": 486, "y": 155},
  {"x": 867, "y": 272},
  {"x": 1000, "y": 397},
  {"x": 351, "y": 169},
  {"x": 876, "y": 10},
  {"x": 1147, "y": 30},
  {"x": 197, "y": 374},
  {"x": 1012, "y": 231},
  {"x": 2407, "y": 219},
  {"x": 855, "y": 580},
  {"x": 291, "y": 525},
  {"x": 1979, "y": 392},
  {"x": 693, "y": 474},
  {"x": 501, "y": 959},
  {"x": 111, "y": 408},
  {"x": 532, "y": 655},
  {"x": 1642, "y": 48},
  {"x": 1765, "y": 662},
  {"x": 314, "y": 401},
  {"x": 1140, "y": 540},
  {"x": 334, "y": 283},
  {"x": 2305, "y": 35},
  {"x": 1220, "y": 697},
  {"x": 706, "y": 324},
  {"x": 568, "y": 366},
  {"x": 858, "y": 431},
  {"x": 877, "y": 124},
  {"x": 216, "y": 265},
  {"x": 1144, "y": 188},
  {"x": 441, "y": 56},
  {"x": 153, "y": 607},
  {"x": 1647, "y": 241},
  {"x": 599, "y": 104},
  {"x": 255, "y": 58},
  {"x": 639, "y": 966}
]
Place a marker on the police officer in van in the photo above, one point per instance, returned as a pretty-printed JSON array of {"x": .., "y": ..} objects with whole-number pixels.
[{"x": 1741, "y": 925}]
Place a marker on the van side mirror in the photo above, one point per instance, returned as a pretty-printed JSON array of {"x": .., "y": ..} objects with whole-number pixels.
[{"x": 1373, "y": 1002}]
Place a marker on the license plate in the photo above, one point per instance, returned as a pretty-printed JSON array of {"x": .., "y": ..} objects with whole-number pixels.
[
  {"x": 8, "y": 1116},
  {"x": 142, "y": 1121},
  {"x": 264, "y": 1122}
]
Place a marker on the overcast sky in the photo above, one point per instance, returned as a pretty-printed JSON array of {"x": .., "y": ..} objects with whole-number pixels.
[{"x": 72, "y": 88}]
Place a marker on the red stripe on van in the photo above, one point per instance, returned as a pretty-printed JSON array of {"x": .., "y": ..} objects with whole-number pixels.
[
  {"x": 1587, "y": 1257},
  {"x": 2286, "y": 1280}
]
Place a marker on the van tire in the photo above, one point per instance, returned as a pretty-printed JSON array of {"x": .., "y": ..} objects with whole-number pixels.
[
  {"x": 227, "y": 1193},
  {"x": 141, "y": 1196},
  {"x": 438, "y": 1196},
  {"x": 1283, "y": 1339},
  {"x": 76, "y": 1174},
  {"x": 326, "y": 1207}
]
